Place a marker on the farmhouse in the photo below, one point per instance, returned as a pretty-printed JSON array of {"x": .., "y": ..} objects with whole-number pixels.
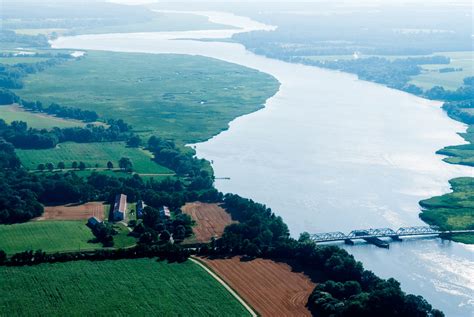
[
  {"x": 120, "y": 208},
  {"x": 139, "y": 209},
  {"x": 92, "y": 222},
  {"x": 165, "y": 212}
]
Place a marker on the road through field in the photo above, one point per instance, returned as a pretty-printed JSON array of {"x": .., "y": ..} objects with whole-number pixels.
[{"x": 227, "y": 287}]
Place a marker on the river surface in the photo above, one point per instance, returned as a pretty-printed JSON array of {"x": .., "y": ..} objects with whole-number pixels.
[{"x": 330, "y": 152}]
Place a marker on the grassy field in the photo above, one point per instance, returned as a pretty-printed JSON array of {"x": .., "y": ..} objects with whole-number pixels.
[
  {"x": 432, "y": 77},
  {"x": 35, "y": 120},
  {"x": 54, "y": 236},
  {"x": 453, "y": 211},
  {"x": 185, "y": 98},
  {"x": 18, "y": 60},
  {"x": 140, "y": 287},
  {"x": 92, "y": 154}
]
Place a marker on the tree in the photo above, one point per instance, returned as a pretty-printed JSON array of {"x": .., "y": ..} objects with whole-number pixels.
[
  {"x": 3, "y": 256},
  {"x": 41, "y": 167},
  {"x": 126, "y": 164},
  {"x": 134, "y": 141},
  {"x": 110, "y": 165},
  {"x": 165, "y": 236},
  {"x": 82, "y": 166},
  {"x": 74, "y": 165},
  {"x": 61, "y": 165},
  {"x": 50, "y": 166}
]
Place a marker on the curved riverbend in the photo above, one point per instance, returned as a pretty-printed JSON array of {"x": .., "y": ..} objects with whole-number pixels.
[{"x": 332, "y": 153}]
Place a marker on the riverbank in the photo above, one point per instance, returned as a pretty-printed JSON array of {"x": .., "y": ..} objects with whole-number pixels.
[{"x": 377, "y": 180}]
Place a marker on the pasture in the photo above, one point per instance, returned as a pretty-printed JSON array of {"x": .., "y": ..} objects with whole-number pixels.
[
  {"x": 93, "y": 155},
  {"x": 271, "y": 288},
  {"x": 184, "y": 98},
  {"x": 35, "y": 120},
  {"x": 139, "y": 287},
  {"x": 55, "y": 236}
]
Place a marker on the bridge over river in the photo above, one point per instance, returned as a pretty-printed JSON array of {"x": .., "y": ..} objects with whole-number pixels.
[{"x": 373, "y": 235}]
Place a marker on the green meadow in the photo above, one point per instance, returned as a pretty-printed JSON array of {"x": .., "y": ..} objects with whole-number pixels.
[
  {"x": 55, "y": 236},
  {"x": 453, "y": 211},
  {"x": 35, "y": 120},
  {"x": 431, "y": 76},
  {"x": 92, "y": 154},
  {"x": 184, "y": 98},
  {"x": 140, "y": 287}
]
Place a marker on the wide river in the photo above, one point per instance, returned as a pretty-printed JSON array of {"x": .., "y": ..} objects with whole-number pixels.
[{"x": 330, "y": 152}]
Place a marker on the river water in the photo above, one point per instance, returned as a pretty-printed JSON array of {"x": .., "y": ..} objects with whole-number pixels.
[{"x": 330, "y": 152}]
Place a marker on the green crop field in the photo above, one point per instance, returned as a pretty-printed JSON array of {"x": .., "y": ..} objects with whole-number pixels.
[
  {"x": 92, "y": 154},
  {"x": 184, "y": 98},
  {"x": 140, "y": 287},
  {"x": 35, "y": 120},
  {"x": 55, "y": 236}
]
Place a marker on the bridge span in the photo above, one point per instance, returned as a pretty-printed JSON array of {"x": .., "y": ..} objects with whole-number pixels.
[{"x": 373, "y": 235}]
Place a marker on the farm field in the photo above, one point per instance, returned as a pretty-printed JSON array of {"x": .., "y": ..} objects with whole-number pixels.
[
  {"x": 452, "y": 80},
  {"x": 184, "y": 98},
  {"x": 55, "y": 236},
  {"x": 210, "y": 219},
  {"x": 92, "y": 154},
  {"x": 74, "y": 212},
  {"x": 35, "y": 120},
  {"x": 271, "y": 288},
  {"x": 138, "y": 287}
]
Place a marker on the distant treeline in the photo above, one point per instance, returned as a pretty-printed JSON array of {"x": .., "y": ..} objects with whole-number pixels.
[
  {"x": 170, "y": 252},
  {"x": 349, "y": 290},
  {"x": 8, "y": 97},
  {"x": 22, "y": 137},
  {"x": 11, "y": 76},
  {"x": 23, "y": 40}
]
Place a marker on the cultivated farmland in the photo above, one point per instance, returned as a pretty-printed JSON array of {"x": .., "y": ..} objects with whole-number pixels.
[
  {"x": 74, "y": 212},
  {"x": 140, "y": 287},
  {"x": 271, "y": 288},
  {"x": 92, "y": 154},
  {"x": 210, "y": 219}
]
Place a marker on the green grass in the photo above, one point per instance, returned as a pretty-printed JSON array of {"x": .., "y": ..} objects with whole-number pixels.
[
  {"x": 431, "y": 77},
  {"x": 56, "y": 236},
  {"x": 91, "y": 154},
  {"x": 140, "y": 287},
  {"x": 453, "y": 211},
  {"x": 35, "y": 120},
  {"x": 49, "y": 236},
  {"x": 184, "y": 98}
]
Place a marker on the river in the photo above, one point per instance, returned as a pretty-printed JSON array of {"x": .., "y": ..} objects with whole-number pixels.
[{"x": 330, "y": 152}]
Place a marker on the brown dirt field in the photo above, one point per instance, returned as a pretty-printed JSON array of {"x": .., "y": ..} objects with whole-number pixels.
[
  {"x": 271, "y": 288},
  {"x": 73, "y": 212},
  {"x": 210, "y": 219}
]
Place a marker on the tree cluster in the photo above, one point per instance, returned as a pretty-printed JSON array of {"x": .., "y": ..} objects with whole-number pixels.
[
  {"x": 170, "y": 252},
  {"x": 23, "y": 137}
]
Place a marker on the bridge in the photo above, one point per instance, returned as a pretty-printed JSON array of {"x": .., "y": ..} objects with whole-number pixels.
[{"x": 373, "y": 235}]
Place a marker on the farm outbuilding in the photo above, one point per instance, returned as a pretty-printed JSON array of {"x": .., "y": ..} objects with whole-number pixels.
[
  {"x": 165, "y": 212},
  {"x": 92, "y": 222},
  {"x": 139, "y": 208},
  {"x": 120, "y": 208}
]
